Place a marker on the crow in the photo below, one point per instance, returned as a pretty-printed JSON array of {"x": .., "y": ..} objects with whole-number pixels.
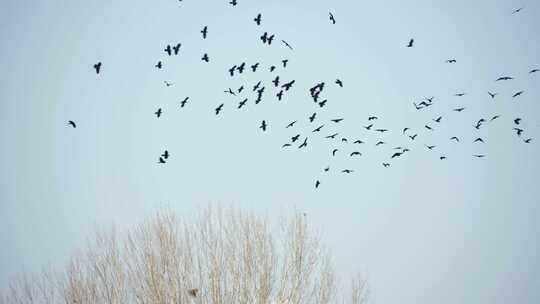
[
  {"x": 326, "y": 169},
  {"x": 492, "y": 94},
  {"x": 332, "y": 136},
  {"x": 159, "y": 65},
  {"x": 183, "y": 102},
  {"x": 233, "y": 2},
  {"x": 240, "y": 89},
  {"x": 317, "y": 184},
  {"x": 272, "y": 68},
  {"x": 242, "y": 103},
  {"x": 295, "y": 138},
  {"x": 356, "y": 153},
  {"x": 256, "y": 86},
  {"x": 72, "y": 123},
  {"x": 165, "y": 154},
  {"x": 287, "y": 44},
  {"x": 534, "y": 71},
  {"x": 517, "y": 10},
  {"x": 304, "y": 144},
  {"x": 358, "y": 141},
  {"x": 368, "y": 127},
  {"x": 527, "y": 141},
  {"x": 177, "y": 48},
  {"x": 411, "y": 42},
  {"x": 161, "y": 160},
  {"x": 504, "y": 78},
  {"x": 430, "y": 147},
  {"x": 231, "y": 70},
  {"x": 517, "y": 94},
  {"x": 312, "y": 117},
  {"x": 219, "y": 108},
  {"x": 270, "y": 39},
  {"x": 454, "y": 138},
  {"x": 428, "y": 127},
  {"x": 230, "y": 91},
  {"x": 386, "y": 165},
  {"x": 288, "y": 85},
  {"x": 479, "y": 155},
  {"x": 168, "y": 84},
  {"x": 442, "y": 157},
  {"x": 204, "y": 32},
  {"x": 343, "y": 139},
  {"x": 494, "y": 117},
  {"x": 205, "y": 58},
  {"x": 280, "y": 95},
  {"x": 405, "y": 130},
  {"x": 337, "y": 120},
  {"x": 479, "y": 140},
  {"x": 276, "y": 81},
  {"x": 291, "y": 124},
  {"x": 397, "y": 154},
  {"x": 322, "y": 103},
  {"x": 286, "y": 145},
  {"x": 380, "y": 143},
  {"x": 332, "y": 18},
  {"x": 263, "y": 125},
  {"x": 339, "y": 83},
  {"x": 517, "y": 121},
  {"x": 258, "y": 19},
  {"x": 347, "y": 171},
  {"x": 168, "y": 50},
  {"x": 254, "y": 67},
  {"x": 518, "y": 131},
  {"x": 413, "y": 136},
  {"x": 334, "y": 152},
  {"x": 438, "y": 119},
  {"x": 158, "y": 113},
  {"x": 381, "y": 130},
  {"x": 97, "y": 67},
  {"x": 284, "y": 62},
  {"x": 451, "y": 61},
  {"x": 459, "y": 109},
  {"x": 460, "y": 94},
  {"x": 372, "y": 118},
  {"x": 318, "y": 129},
  {"x": 241, "y": 68}
]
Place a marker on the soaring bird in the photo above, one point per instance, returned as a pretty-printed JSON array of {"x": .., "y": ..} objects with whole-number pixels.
[
  {"x": 518, "y": 131},
  {"x": 386, "y": 165},
  {"x": 372, "y": 118},
  {"x": 479, "y": 155},
  {"x": 295, "y": 138},
  {"x": 430, "y": 147},
  {"x": 97, "y": 67},
  {"x": 381, "y": 130},
  {"x": 312, "y": 117},
  {"x": 254, "y": 67},
  {"x": 322, "y": 103},
  {"x": 405, "y": 130},
  {"x": 460, "y": 94},
  {"x": 233, "y": 2},
  {"x": 288, "y": 85},
  {"x": 412, "y": 137},
  {"x": 438, "y": 119},
  {"x": 504, "y": 78},
  {"x": 454, "y": 138},
  {"x": 280, "y": 95},
  {"x": 205, "y": 58},
  {"x": 287, "y": 44},
  {"x": 411, "y": 42},
  {"x": 183, "y": 102},
  {"x": 167, "y": 84},
  {"x": 276, "y": 81},
  {"x": 232, "y": 69},
  {"x": 347, "y": 171},
  {"x": 161, "y": 160},
  {"x": 517, "y": 121},
  {"x": 176, "y": 48},
  {"x": 304, "y": 144},
  {"x": 327, "y": 169},
  {"x": 317, "y": 184},
  {"x": 517, "y": 10},
  {"x": 337, "y": 120},
  {"x": 459, "y": 109},
  {"x": 242, "y": 103},
  {"x": 72, "y": 123},
  {"x": 397, "y": 154},
  {"x": 534, "y": 71},
  {"x": 451, "y": 61},
  {"x": 494, "y": 117},
  {"x": 479, "y": 140},
  {"x": 442, "y": 157},
  {"x": 241, "y": 68},
  {"x": 318, "y": 129},
  {"x": 358, "y": 141},
  {"x": 158, "y": 113},
  {"x": 286, "y": 145},
  {"x": 355, "y": 153},
  {"x": 219, "y": 108},
  {"x": 159, "y": 65},
  {"x": 204, "y": 32},
  {"x": 230, "y": 91},
  {"x": 368, "y": 127},
  {"x": 284, "y": 62},
  {"x": 168, "y": 50},
  {"x": 428, "y": 127},
  {"x": 334, "y": 152},
  {"x": 332, "y": 135},
  {"x": 380, "y": 143},
  {"x": 527, "y": 141},
  {"x": 255, "y": 87},
  {"x": 343, "y": 139},
  {"x": 263, "y": 125},
  {"x": 258, "y": 19},
  {"x": 517, "y": 94},
  {"x": 290, "y": 124},
  {"x": 339, "y": 82},
  {"x": 332, "y": 18},
  {"x": 165, "y": 154},
  {"x": 492, "y": 94}
]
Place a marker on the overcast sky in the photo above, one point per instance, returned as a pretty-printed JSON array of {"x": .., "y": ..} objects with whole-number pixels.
[{"x": 460, "y": 230}]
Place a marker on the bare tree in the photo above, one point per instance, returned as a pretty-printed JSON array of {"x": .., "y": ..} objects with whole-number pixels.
[{"x": 222, "y": 257}]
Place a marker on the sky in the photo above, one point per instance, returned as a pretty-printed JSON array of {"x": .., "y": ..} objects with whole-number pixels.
[{"x": 424, "y": 230}]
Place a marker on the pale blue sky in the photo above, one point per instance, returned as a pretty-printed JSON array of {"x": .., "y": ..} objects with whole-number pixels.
[{"x": 462, "y": 230}]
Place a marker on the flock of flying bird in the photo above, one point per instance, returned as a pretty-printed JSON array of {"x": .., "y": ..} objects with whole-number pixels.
[{"x": 315, "y": 92}]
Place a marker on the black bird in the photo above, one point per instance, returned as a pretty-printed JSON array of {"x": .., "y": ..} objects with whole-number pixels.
[
  {"x": 534, "y": 71},
  {"x": 412, "y": 137},
  {"x": 233, "y": 3},
  {"x": 97, "y": 67},
  {"x": 372, "y": 118},
  {"x": 397, "y": 154},
  {"x": 317, "y": 184},
  {"x": 326, "y": 169},
  {"x": 386, "y": 165},
  {"x": 304, "y": 144},
  {"x": 231, "y": 70},
  {"x": 291, "y": 124},
  {"x": 183, "y": 102},
  {"x": 332, "y": 136},
  {"x": 161, "y": 160},
  {"x": 459, "y": 109},
  {"x": 343, "y": 139},
  {"x": 272, "y": 68},
  {"x": 318, "y": 129},
  {"x": 177, "y": 48},
  {"x": 205, "y": 58},
  {"x": 264, "y": 37},
  {"x": 368, "y": 127},
  {"x": 276, "y": 81},
  {"x": 288, "y": 85},
  {"x": 254, "y": 67},
  {"x": 517, "y": 121},
  {"x": 339, "y": 83},
  {"x": 270, "y": 39},
  {"x": 242, "y": 103},
  {"x": 337, "y": 120},
  {"x": 504, "y": 78},
  {"x": 347, "y": 171},
  {"x": 411, "y": 42},
  {"x": 438, "y": 119},
  {"x": 219, "y": 108},
  {"x": 460, "y": 94},
  {"x": 256, "y": 86},
  {"x": 241, "y": 68},
  {"x": 263, "y": 125},
  {"x": 287, "y": 44},
  {"x": 358, "y": 141},
  {"x": 204, "y": 32},
  {"x": 280, "y": 95},
  {"x": 312, "y": 117},
  {"x": 492, "y": 94},
  {"x": 159, "y": 65},
  {"x": 479, "y": 155},
  {"x": 334, "y": 152},
  {"x": 168, "y": 84},
  {"x": 295, "y": 138},
  {"x": 158, "y": 113},
  {"x": 230, "y": 91},
  {"x": 479, "y": 140},
  {"x": 405, "y": 130},
  {"x": 527, "y": 141},
  {"x": 165, "y": 154},
  {"x": 381, "y": 130},
  {"x": 240, "y": 89},
  {"x": 168, "y": 50},
  {"x": 322, "y": 103},
  {"x": 258, "y": 19},
  {"x": 332, "y": 18},
  {"x": 72, "y": 123},
  {"x": 428, "y": 127},
  {"x": 430, "y": 147},
  {"x": 286, "y": 145},
  {"x": 442, "y": 157},
  {"x": 517, "y": 11},
  {"x": 451, "y": 61},
  {"x": 517, "y": 94},
  {"x": 380, "y": 143},
  {"x": 494, "y": 117},
  {"x": 284, "y": 62},
  {"x": 518, "y": 131},
  {"x": 454, "y": 138}
]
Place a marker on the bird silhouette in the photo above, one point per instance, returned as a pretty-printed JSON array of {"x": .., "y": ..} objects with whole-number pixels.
[
  {"x": 356, "y": 153},
  {"x": 288, "y": 85},
  {"x": 241, "y": 68},
  {"x": 428, "y": 127},
  {"x": 161, "y": 160},
  {"x": 504, "y": 78},
  {"x": 230, "y": 91},
  {"x": 337, "y": 120},
  {"x": 381, "y": 130},
  {"x": 291, "y": 124},
  {"x": 280, "y": 95},
  {"x": 158, "y": 113},
  {"x": 517, "y": 10},
  {"x": 242, "y": 103},
  {"x": 405, "y": 130},
  {"x": 193, "y": 292},
  {"x": 327, "y": 169},
  {"x": 343, "y": 139},
  {"x": 168, "y": 49},
  {"x": 494, "y": 117},
  {"x": 317, "y": 184},
  {"x": 332, "y": 135},
  {"x": 312, "y": 117},
  {"x": 411, "y": 43},
  {"x": 240, "y": 89},
  {"x": 479, "y": 140},
  {"x": 254, "y": 67},
  {"x": 167, "y": 84},
  {"x": 231, "y": 70},
  {"x": 454, "y": 138},
  {"x": 396, "y": 154},
  {"x": 219, "y": 108},
  {"x": 97, "y": 67},
  {"x": 304, "y": 144},
  {"x": 442, "y": 157},
  {"x": 479, "y": 155},
  {"x": 295, "y": 138},
  {"x": 183, "y": 102},
  {"x": 438, "y": 119},
  {"x": 347, "y": 171},
  {"x": 72, "y": 123},
  {"x": 258, "y": 19},
  {"x": 276, "y": 81},
  {"x": 263, "y": 125},
  {"x": 358, "y": 141},
  {"x": 534, "y": 71},
  {"x": 527, "y": 141},
  {"x": 284, "y": 62},
  {"x": 286, "y": 145},
  {"x": 272, "y": 68},
  {"x": 460, "y": 94},
  {"x": 518, "y": 131},
  {"x": 165, "y": 154},
  {"x": 270, "y": 39},
  {"x": 318, "y": 129},
  {"x": 323, "y": 103},
  {"x": 372, "y": 118},
  {"x": 517, "y": 94},
  {"x": 233, "y": 2},
  {"x": 334, "y": 152},
  {"x": 517, "y": 121},
  {"x": 459, "y": 109},
  {"x": 255, "y": 87},
  {"x": 386, "y": 165},
  {"x": 287, "y": 44},
  {"x": 430, "y": 147},
  {"x": 205, "y": 58},
  {"x": 413, "y": 137},
  {"x": 159, "y": 65},
  {"x": 368, "y": 127},
  {"x": 339, "y": 83},
  {"x": 451, "y": 61},
  {"x": 380, "y": 143},
  {"x": 492, "y": 94},
  {"x": 176, "y": 48},
  {"x": 204, "y": 32},
  {"x": 332, "y": 18}
]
